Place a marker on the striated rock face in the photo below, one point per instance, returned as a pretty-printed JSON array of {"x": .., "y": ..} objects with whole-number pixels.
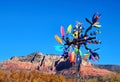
[
  {"x": 37, "y": 58},
  {"x": 18, "y": 65},
  {"x": 33, "y": 57},
  {"x": 32, "y": 61},
  {"x": 47, "y": 64}
]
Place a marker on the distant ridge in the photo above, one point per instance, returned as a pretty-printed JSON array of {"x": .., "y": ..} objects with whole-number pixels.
[{"x": 115, "y": 68}]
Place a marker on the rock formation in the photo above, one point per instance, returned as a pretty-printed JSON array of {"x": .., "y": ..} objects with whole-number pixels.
[{"x": 47, "y": 64}]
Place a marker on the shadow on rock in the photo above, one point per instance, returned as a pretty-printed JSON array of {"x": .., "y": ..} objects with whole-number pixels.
[{"x": 62, "y": 65}]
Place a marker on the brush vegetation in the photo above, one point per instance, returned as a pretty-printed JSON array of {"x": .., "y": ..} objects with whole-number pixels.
[{"x": 36, "y": 76}]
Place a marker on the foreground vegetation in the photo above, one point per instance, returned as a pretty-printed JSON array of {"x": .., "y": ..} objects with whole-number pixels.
[{"x": 36, "y": 76}]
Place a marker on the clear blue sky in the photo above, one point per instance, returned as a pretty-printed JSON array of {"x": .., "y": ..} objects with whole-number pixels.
[{"x": 28, "y": 26}]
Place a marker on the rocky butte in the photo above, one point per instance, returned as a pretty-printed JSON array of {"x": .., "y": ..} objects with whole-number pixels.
[{"x": 49, "y": 64}]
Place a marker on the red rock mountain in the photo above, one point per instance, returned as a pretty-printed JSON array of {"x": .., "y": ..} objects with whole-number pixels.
[{"x": 47, "y": 64}]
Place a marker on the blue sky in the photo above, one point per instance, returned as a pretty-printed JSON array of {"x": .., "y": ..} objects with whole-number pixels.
[{"x": 28, "y": 26}]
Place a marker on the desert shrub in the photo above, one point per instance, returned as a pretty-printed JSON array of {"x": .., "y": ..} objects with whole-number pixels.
[
  {"x": 36, "y": 76},
  {"x": 29, "y": 76},
  {"x": 110, "y": 78},
  {"x": 58, "y": 78}
]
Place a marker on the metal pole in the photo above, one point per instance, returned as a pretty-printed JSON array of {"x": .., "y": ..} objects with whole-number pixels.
[{"x": 78, "y": 67}]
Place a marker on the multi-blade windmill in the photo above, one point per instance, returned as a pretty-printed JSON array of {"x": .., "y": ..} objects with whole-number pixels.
[{"x": 78, "y": 36}]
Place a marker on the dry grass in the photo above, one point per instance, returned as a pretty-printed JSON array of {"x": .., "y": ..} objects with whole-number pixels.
[
  {"x": 36, "y": 76},
  {"x": 29, "y": 76}
]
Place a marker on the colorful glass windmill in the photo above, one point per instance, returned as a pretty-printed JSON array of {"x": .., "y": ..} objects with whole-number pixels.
[{"x": 80, "y": 36}]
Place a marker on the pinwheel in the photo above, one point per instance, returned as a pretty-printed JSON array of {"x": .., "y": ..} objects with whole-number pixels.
[
  {"x": 95, "y": 17},
  {"x": 58, "y": 39},
  {"x": 69, "y": 29},
  {"x": 73, "y": 57},
  {"x": 71, "y": 46},
  {"x": 85, "y": 57},
  {"x": 94, "y": 56},
  {"x": 95, "y": 32},
  {"x": 62, "y": 32},
  {"x": 59, "y": 48}
]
